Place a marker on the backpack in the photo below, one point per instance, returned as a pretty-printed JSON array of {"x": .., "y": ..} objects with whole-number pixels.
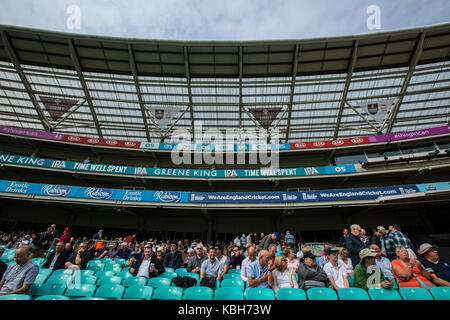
[
  {"x": 184, "y": 282},
  {"x": 208, "y": 282}
]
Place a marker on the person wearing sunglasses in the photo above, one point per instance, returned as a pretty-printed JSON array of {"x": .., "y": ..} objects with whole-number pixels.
[
  {"x": 280, "y": 276},
  {"x": 196, "y": 261},
  {"x": 336, "y": 270}
]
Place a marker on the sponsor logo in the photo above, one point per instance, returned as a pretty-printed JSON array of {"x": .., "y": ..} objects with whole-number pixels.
[
  {"x": 195, "y": 197},
  {"x": 319, "y": 144},
  {"x": 168, "y": 196},
  {"x": 357, "y": 140},
  {"x": 74, "y": 138},
  {"x": 307, "y": 196},
  {"x": 132, "y": 195},
  {"x": 130, "y": 144},
  {"x": 289, "y": 197},
  {"x": 430, "y": 188},
  {"x": 300, "y": 145},
  {"x": 56, "y": 191},
  {"x": 94, "y": 141},
  {"x": 337, "y": 142},
  {"x": 340, "y": 169},
  {"x": 111, "y": 142},
  {"x": 99, "y": 193},
  {"x": 18, "y": 187},
  {"x": 372, "y": 108}
]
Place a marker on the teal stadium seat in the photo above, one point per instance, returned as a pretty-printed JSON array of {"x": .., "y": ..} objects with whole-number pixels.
[
  {"x": 125, "y": 273},
  {"x": 138, "y": 292},
  {"x": 259, "y": 294},
  {"x": 181, "y": 271},
  {"x": 109, "y": 281},
  {"x": 114, "y": 291},
  {"x": 168, "y": 269},
  {"x": 114, "y": 267},
  {"x": 45, "y": 271},
  {"x": 15, "y": 297},
  {"x": 84, "y": 290},
  {"x": 233, "y": 282},
  {"x": 61, "y": 272},
  {"x": 352, "y": 294},
  {"x": 168, "y": 293},
  {"x": 229, "y": 293},
  {"x": 133, "y": 281},
  {"x": 96, "y": 267},
  {"x": 158, "y": 282},
  {"x": 92, "y": 298},
  {"x": 52, "y": 297},
  {"x": 51, "y": 289},
  {"x": 351, "y": 280},
  {"x": 231, "y": 276},
  {"x": 84, "y": 273},
  {"x": 384, "y": 294},
  {"x": 88, "y": 280},
  {"x": 412, "y": 293},
  {"x": 103, "y": 273},
  {"x": 440, "y": 293},
  {"x": 193, "y": 275},
  {"x": 168, "y": 275},
  {"x": 59, "y": 279},
  {"x": 198, "y": 293},
  {"x": 40, "y": 279},
  {"x": 321, "y": 294},
  {"x": 238, "y": 271},
  {"x": 291, "y": 294}
]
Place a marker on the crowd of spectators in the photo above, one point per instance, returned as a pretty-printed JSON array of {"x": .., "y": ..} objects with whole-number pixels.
[{"x": 265, "y": 261}]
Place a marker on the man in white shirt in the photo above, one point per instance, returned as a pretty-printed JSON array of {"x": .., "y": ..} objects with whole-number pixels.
[
  {"x": 57, "y": 258},
  {"x": 145, "y": 265},
  {"x": 251, "y": 252},
  {"x": 335, "y": 270}
]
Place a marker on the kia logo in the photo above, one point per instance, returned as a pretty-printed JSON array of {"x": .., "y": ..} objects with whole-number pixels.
[
  {"x": 357, "y": 140},
  {"x": 93, "y": 140},
  {"x": 300, "y": 145},
  {"x": 72, "y": 138},
  {"x": 130, "y": 144},
  {"x": 111, "y": 142},
  {"x": 319, "y": 144},
  {"x": 337, "y": 142}
]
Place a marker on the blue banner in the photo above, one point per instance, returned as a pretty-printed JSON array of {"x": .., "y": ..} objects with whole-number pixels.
[
  {"x": 173, "y": 172},
  {"x": 423, "y": 187}
]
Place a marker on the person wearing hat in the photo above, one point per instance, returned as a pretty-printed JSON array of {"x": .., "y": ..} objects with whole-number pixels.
[
  {"x": 363, "y": 279},
  {"x": 65, "y": 237},
  {"x": 438, "y": 268},
  {"x": 310, "y": 275},
  {"x": 265, "y": 242},
  {"x": 3, "y": 266},
  {"x": 336, "y": 270}
]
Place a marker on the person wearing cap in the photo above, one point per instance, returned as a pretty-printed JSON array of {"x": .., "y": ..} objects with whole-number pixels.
[
  {"x": 353, "y": 244},
  {"x": 3, "y": 266},
  {"x": 265, "y": 242},
  {"x": 336, "y": 270},
  {"x": 65, "y": 237},
  {"x": 310, "y": 275},
  {"x": 363, "y": 279},
  {"x": 438, "y": 268},
  {"x": 410, "y": 272}
]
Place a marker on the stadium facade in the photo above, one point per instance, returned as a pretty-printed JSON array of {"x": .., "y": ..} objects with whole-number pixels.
[{"x": 83, "y": 145}]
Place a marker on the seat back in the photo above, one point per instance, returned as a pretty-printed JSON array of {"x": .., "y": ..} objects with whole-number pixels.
[
  {"x": 413, "y": 293},
  {"x": 109, "y": 281},
  {"x": 52, "y": 297},
  {"x": 440, "y": 293},
  {"x": 15, "y": 297},
  {"x": 198, "y": 293},
  {"x": 291, "y": 294},
  {"x": 132, "y": 281},
  {"x": 158, "y": 282},
  {"x": 321, "y": 294},
  {"x": 259, "y": 294},
  {"x": 384, "y": 294},
  {"x": 352, "y": 294},
  {"x": 84, "y": 290},
  {"x": 168, "y": 293},
  {"x": 138, "y": 292},
  {"x": 233, "y": 282},
  {"x": 229, "y": 293},
  {"x": 51, "y": 289},
  {"x": 114, "y": 291}
]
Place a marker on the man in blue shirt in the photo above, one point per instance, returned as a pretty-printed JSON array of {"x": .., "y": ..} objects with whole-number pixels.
[
  {"x": 438, "y": 268},
  {"x": 382, "y": 262},
  {"x": 211, "y": 267},
  {"x": 257, "y": 271}
]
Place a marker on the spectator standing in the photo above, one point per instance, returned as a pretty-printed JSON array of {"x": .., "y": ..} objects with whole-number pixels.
[
  {"x": 266, "y": 241},
  {"x": 353, "y": 244},
  {"x": 396, "y": 239},
  {"x": 289, "y": 239},
  {"x": 65, "y": 237},
  {"x": 342, "y": 238}
]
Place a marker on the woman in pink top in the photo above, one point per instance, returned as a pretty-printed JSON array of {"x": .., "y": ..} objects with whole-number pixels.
[{"x": 292, "y": 262}]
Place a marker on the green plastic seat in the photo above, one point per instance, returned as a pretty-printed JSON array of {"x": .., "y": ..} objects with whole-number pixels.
[
  {"x": 229, "y": 293},
  {"x": 133, "y": 281},
  {"x": 102, "y": 273},
  {"x": 51, "y": 289},
  {"x": 168, "y": 269},
  {"x": 231, "y": 276},
  {"x": 168, "y": 293},
  {"x": 168, "y": 275},
  {"x": 92, "y": 298},
  {"x": 259, "y": 294},
  {"x": 125, "y": 273},
  {"x": 61, "y": 272},
  {"x": 413, "y": 293},
  {"x": 193, "y": 275},
  {"x": 180, "y": 271},
  {"x": 353, "y": 294},
  {"x": 158, "y": 282},
  {"x": 40, "y": 279},
  {"x": 238, "y": 271},
  {"x": 59, "y": 279},
  {"x": 45, "y": 271},
  {"x": 96, "y": 267},
  {"x": 351, "y": 280},
  {"x": 39, "y": 261},
  {"x": 384, "y": 294},
  {"x": 138, "y": 292},
  {"x": 321, "y": 294},
  {"x": 84, "y": 290},
  {"x": 52, "y": 297},
  {"x": 119, "y": 261},
  {"x": 109, "y": 281},
  {"x": 291, "y": 294},
  {"x": 88, "y": 280},
  {"x": 198, "y": 293},
  {"x": 233, "y": 282},
  {"x": 15, "y": 297},
  {"x": 114, "y": 291},
  {"x": 113, "y": 267},
  {"x": 440, "y": 293},
  {"x": 94, "y": 262},
  {"x": 84, "y": 273}
]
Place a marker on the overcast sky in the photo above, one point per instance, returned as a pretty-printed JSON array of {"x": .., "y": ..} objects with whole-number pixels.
[{"x": 222, "y": 19}]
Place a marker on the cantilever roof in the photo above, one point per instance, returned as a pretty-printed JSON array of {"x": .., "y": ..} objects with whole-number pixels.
[{"x": 315, "y": 82}]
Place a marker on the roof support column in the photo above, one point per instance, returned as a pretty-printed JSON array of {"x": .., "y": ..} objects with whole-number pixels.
[
  {"x": 188, "y": 83},
  {"x": 291, "y": 98}
]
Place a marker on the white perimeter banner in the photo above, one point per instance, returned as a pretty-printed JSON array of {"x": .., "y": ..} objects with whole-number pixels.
[
  {"x": 377, "y": 110},
  {"x": 164, "y": 115}
]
